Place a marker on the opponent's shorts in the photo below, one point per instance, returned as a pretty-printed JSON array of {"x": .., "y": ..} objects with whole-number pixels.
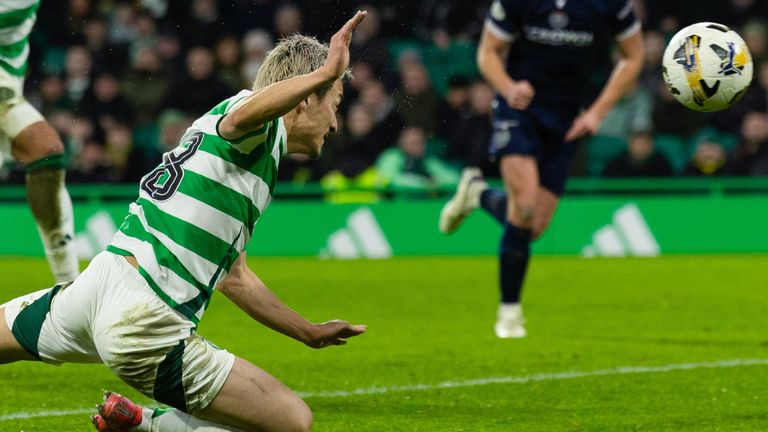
[
  {"x": 16, "y": 114},
  {"x": 109, "y": 314},
  {"x": 538, "y": 131}
]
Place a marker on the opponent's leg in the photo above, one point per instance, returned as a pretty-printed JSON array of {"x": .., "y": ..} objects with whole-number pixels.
[
  {"x": 39, "y": 148},
  {"x": 521, "y": 182},
  {"x": 545, "y": 210},
  {"x": 465, "y": 199}
]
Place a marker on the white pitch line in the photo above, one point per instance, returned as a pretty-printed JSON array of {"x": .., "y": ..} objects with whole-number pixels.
[{"x": 621, "y": 370}]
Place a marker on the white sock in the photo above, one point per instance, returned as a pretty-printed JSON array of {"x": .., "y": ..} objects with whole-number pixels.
[
  {"x": 59, "y": 243},
  {"x": 50, "y": 203},
  {"x": 510, "y": 310},
  {"x": 173, "y": 420}
]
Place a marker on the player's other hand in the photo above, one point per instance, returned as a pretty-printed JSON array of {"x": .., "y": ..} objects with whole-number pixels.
[
  {"x": 519, "y": 95},
  {"x": 333, "y": 332},
  {"x": 587, "y": 123},
  {"x": 338, "y": 54}
]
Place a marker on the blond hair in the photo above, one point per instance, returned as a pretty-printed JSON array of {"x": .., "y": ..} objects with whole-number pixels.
[{"x": 293, "y": 56}]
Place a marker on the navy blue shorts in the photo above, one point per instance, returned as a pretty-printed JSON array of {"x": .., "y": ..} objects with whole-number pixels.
[{"x": 538, "y": 132}]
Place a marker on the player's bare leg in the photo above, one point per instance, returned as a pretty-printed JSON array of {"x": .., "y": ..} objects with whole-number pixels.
[
  {"x": 252, "y": 399},
  {"x": 10, "y": 350},
  {"x": 546, "y": 206},
  {"x": 39, "y": 148},
  {"x": 521, "y": 183}
]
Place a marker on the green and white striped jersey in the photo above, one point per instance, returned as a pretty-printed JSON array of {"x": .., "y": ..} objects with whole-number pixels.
[
  {"x": 17, "y": 17},
  {"x": 197, "y": 210}
]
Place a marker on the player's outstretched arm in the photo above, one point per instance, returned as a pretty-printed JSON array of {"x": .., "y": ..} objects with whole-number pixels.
[
  {"x": 250, "y": 294},
  {"x": 281, "y": 97},
  {"x": 622, "y": 80}
]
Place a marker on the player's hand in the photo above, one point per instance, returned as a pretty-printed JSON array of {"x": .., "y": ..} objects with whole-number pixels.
[
  {"x": 587, "y": 123},
  {"x": 519, "y": 95},
  {"x": 334, "y": 332},
  {"x": 338, "y": 54}
]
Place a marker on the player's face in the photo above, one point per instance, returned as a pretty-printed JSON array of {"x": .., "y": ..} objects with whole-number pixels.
[{"x": 317, "y": 121}]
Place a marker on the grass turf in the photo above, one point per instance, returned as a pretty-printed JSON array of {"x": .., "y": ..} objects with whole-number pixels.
[{"x": 430, "y": 320}]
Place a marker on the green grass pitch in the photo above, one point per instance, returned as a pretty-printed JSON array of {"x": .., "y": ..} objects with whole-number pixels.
[{"x": 692, "y": 333}]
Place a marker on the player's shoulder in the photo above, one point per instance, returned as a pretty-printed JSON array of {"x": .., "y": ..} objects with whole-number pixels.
[
  {"x": 230, "y": 104},
  {"x": 616, "y": 6}
]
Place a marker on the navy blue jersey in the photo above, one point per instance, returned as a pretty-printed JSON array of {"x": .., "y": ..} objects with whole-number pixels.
[{"x": 554, "y": 41}]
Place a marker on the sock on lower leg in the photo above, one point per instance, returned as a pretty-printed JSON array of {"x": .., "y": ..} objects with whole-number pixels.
[
  {"x": 52, "y": 207},
  {"x": 514, "y": 253},
  {"x": 494, "y": 201},
  {"x": 173, "y": 420}
]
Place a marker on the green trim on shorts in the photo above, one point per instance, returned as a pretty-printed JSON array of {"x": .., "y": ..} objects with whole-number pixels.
[
  {"x": 29, "y": 322},
  {"x": 169, "y": 387},
  {"x": 54, "y": 161}
]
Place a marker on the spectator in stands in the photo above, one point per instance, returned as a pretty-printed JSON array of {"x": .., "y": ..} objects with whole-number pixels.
[
  {"x": 288, "y": 21},
  {"x": 640, "y": 159},
  {"x": 146, "y": 85},
  {"x": 228, "y": 63},
  {"x": 651, "y": 79},
  {"x": 409, "y": 167},
  {"x": 122, "y": 24},
  {"x": 387, "y": 122},
  {"x": 91, "y": 165},
  {"x": 455, "y": 106},
  {"x": 630, "y": 114},
  {"x": 105, "y": 104},
  {"x": 172, "y": 126},
  {"x": 106, "y": 56},
  {"x": 368, "y": 45},
  {"x": 77, "y": 72},
  {"x": 204, "y": 26},
  {"x": 199, "y": 89},
  {"x": 169, "y": 48},
  {"x": 471, "y": 132},
  {"x": 750, "y": 157},
  {"x": 416, "y": 100},
  {"x": 361, "y": 146},
  {"x": 146, "y": 33},
  {"x": 256, "y": 45},
  {"x": 51, "y": 97},
  {"x": 671, "y": 117},
  {"x": 755, "y": 34},
  {"x": 709, "y": 160},
  {"x": 756, "y": 98}
]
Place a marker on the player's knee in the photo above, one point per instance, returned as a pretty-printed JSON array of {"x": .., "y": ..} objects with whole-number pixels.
[
  {"x": 523, "y": 215},
  {"x": 37, "y": 144},
  {"x": 298, "y": 416}
]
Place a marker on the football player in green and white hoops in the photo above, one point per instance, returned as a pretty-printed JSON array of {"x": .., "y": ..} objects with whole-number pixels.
[
  {"x": 26, "y": 136},
  {"x": 137, "y": 305}
]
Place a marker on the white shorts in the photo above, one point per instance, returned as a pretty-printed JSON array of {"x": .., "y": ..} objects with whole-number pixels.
[
  {"x": 109, "y": 314},
  {"x": 16, "y": 114}
]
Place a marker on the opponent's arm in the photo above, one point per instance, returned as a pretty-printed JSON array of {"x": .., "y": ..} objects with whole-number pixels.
[
  {"x": 491, "y": 57},
  {"x": 281, "y": 97},
  {"x": 250, "y": 294},
  {"x": 622, "y": 80}
]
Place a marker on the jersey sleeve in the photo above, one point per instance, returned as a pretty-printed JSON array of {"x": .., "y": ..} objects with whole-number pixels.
[
  {"x": 503, "y": 19},
  {"x": 251, "y": 140},
  {"x": 622, "y": 22}
]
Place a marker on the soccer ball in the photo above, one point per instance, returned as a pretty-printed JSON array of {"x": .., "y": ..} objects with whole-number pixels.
[{"x": 707, "y": 67}]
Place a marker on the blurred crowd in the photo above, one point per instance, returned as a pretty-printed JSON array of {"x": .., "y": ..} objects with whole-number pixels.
[{"x": 122, "y": 80}]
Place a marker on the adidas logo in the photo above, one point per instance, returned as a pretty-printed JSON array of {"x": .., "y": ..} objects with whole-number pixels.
[
  {"x": 361, "y": 238},
  {"x": 99, "y": 230},
  {"x": 628, "y": 235}
]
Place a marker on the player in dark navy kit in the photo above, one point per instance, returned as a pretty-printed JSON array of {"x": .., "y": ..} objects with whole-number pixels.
[{"x": 538, "y": 54}]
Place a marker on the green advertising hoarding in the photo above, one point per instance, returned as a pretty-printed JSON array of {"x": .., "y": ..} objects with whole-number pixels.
[{"x": 588, "y": 225}]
